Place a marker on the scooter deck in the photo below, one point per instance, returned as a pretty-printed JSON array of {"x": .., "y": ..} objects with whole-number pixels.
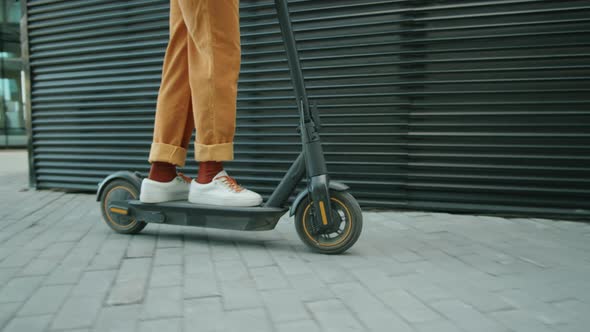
[{"x": 256, "y": 218}]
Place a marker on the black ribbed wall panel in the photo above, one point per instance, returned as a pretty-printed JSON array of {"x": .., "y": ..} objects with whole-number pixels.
[{"x": 477, "y": 106}]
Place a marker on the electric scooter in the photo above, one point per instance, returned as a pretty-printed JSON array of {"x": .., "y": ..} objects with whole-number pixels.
[{"x": 328, "y": 218}]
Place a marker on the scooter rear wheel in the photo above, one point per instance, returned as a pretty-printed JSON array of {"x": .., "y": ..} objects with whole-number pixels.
[
  {"x": 120, "y": 190},
  {"x": 345, "y": 211}
]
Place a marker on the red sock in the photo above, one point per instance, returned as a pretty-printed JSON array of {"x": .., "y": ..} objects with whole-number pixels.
[
  {"x": 162, "y": 172},
  {"x": 208, "y": 170}
]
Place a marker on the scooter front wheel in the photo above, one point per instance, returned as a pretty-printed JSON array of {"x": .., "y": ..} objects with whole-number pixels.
[
  {"x": 115, "y": 217},
  {"x": 347, "y": 216}
]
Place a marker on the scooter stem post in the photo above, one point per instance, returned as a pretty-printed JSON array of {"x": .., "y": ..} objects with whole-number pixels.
[
  {"x": 318, "y": 180},
  {"x": 282, "y": 7}
]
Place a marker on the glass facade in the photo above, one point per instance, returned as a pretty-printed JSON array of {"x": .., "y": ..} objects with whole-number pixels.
[{"x": 12, "y": 119}]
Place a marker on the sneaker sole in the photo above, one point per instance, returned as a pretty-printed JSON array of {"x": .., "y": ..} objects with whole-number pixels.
[{"x": 160, "y": 198}]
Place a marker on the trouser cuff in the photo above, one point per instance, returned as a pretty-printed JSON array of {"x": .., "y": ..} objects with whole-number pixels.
[
  {"x": 167, "y": 153},
  {"x": 214, "y": 152}
]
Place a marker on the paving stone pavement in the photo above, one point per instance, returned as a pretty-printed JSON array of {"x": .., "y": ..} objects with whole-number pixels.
[{"x": 63, "y": 269}]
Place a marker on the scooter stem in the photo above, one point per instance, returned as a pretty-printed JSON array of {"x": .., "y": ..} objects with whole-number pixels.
[
  {"x": 282, "y": 7},
  {"x": 317, "y": 174}
]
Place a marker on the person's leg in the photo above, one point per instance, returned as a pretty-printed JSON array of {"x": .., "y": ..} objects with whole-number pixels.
[
  {"x": 174, "y": 122},
  {"x": 164, "y": 171},
  {"x": 214, "y": 53},
  {"x": 214, "y": 59}
]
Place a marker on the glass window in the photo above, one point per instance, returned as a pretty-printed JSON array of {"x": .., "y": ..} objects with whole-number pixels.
[
  {"x": 11, "y": 12},
  {"x": 12, "y": 120}
]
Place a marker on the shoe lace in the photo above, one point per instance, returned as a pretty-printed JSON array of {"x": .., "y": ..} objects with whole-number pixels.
[
  {"x": 231, "y": 182},
  {"x": 186, "y": 179}
]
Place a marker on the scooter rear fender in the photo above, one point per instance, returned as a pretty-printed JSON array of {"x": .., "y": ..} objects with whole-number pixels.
[{"x": 133, "y": 177}]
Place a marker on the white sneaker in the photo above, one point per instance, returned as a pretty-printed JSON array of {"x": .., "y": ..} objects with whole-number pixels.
[
  {"x": 222, "y": 190},
  {"x": 159, "y": 192}
]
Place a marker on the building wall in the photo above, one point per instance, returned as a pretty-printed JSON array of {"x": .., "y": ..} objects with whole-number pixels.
[{"x": 430, "y": 105}]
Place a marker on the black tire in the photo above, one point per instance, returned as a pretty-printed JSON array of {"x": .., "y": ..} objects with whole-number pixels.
[
  {"x": 345, "y": 206},
  {"x": 120, "y": 190}
]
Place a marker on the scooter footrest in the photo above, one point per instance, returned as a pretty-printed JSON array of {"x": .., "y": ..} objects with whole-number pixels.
[{"x": 212, "y": 216}]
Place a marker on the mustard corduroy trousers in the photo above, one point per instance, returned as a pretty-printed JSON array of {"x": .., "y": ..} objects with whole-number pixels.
[{"x": 199, "y": 82}]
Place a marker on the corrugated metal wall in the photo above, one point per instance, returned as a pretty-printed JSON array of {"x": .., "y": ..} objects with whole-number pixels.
[{"x": 479, "y": 106}]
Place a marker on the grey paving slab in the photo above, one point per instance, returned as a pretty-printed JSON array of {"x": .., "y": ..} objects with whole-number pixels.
[
  {"x": 372, "y": 312},
  {"x": 200, "y": 285},
  {"x": 73, "y": 235},
  {"x": 111, "y": 253},
  {"x": 330, "y": 272},
  {"x": 166, "y": 276},
  {"x": 163, "y": 303},
  {"x": 207, "y": 313},
  {"x": 310, "y": 287},
  {"x": 520, "y": 321},
  {"x": 289, "y": 262},
  {"x": 131, "y": 282},
  {"x": 78, "y": 312},
  {"x": 467, "y": 317},
  {"x": 141, "y": 246},
  {"x": 5, "y": 252},
  {"x": 169, "y": 237},
  {"x": 28, "y": 324},
  {"x": 120, "y": 318},
  {"x": 7, "y": 312},
  {"x": 64, "y": 275},
  {"x": 255, "y": 254},
  {"x": 297, "y": 326},
  {"x": 269, "y": 277},
  {"x": 195, "y": 241},
  {"x": 94, "y": 283},
  {"x": 574, "y": 309},
  {"x": 222, "y": 247},
  {"x": 46, "y": 300},
  {"x": 543, "y": 311},
  {"x": 159, "y": 325},
  {"x": 198, "y": 263},
  {"x": 19, "y": 258},
  {"x": 19, "y": 289},
  {"x": 63, "y": 269},
  {"x": 7, "y": 273},
  {"x": 254, "y": 319},
  {"x": 407, "y": 306},
  {"x": 169, "y": 256},
  {"x": 57, "y": 250},
  {"x": 240, "y": 294},
  {"x": 441, "y": 325},
  {"x": 332, "y": 315},
  {"x": 285, "y": 305},
  {"x": 80, "y": 256},
  {"x": 374, "y": 278},
  {"x": 231, "y": 270}
]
